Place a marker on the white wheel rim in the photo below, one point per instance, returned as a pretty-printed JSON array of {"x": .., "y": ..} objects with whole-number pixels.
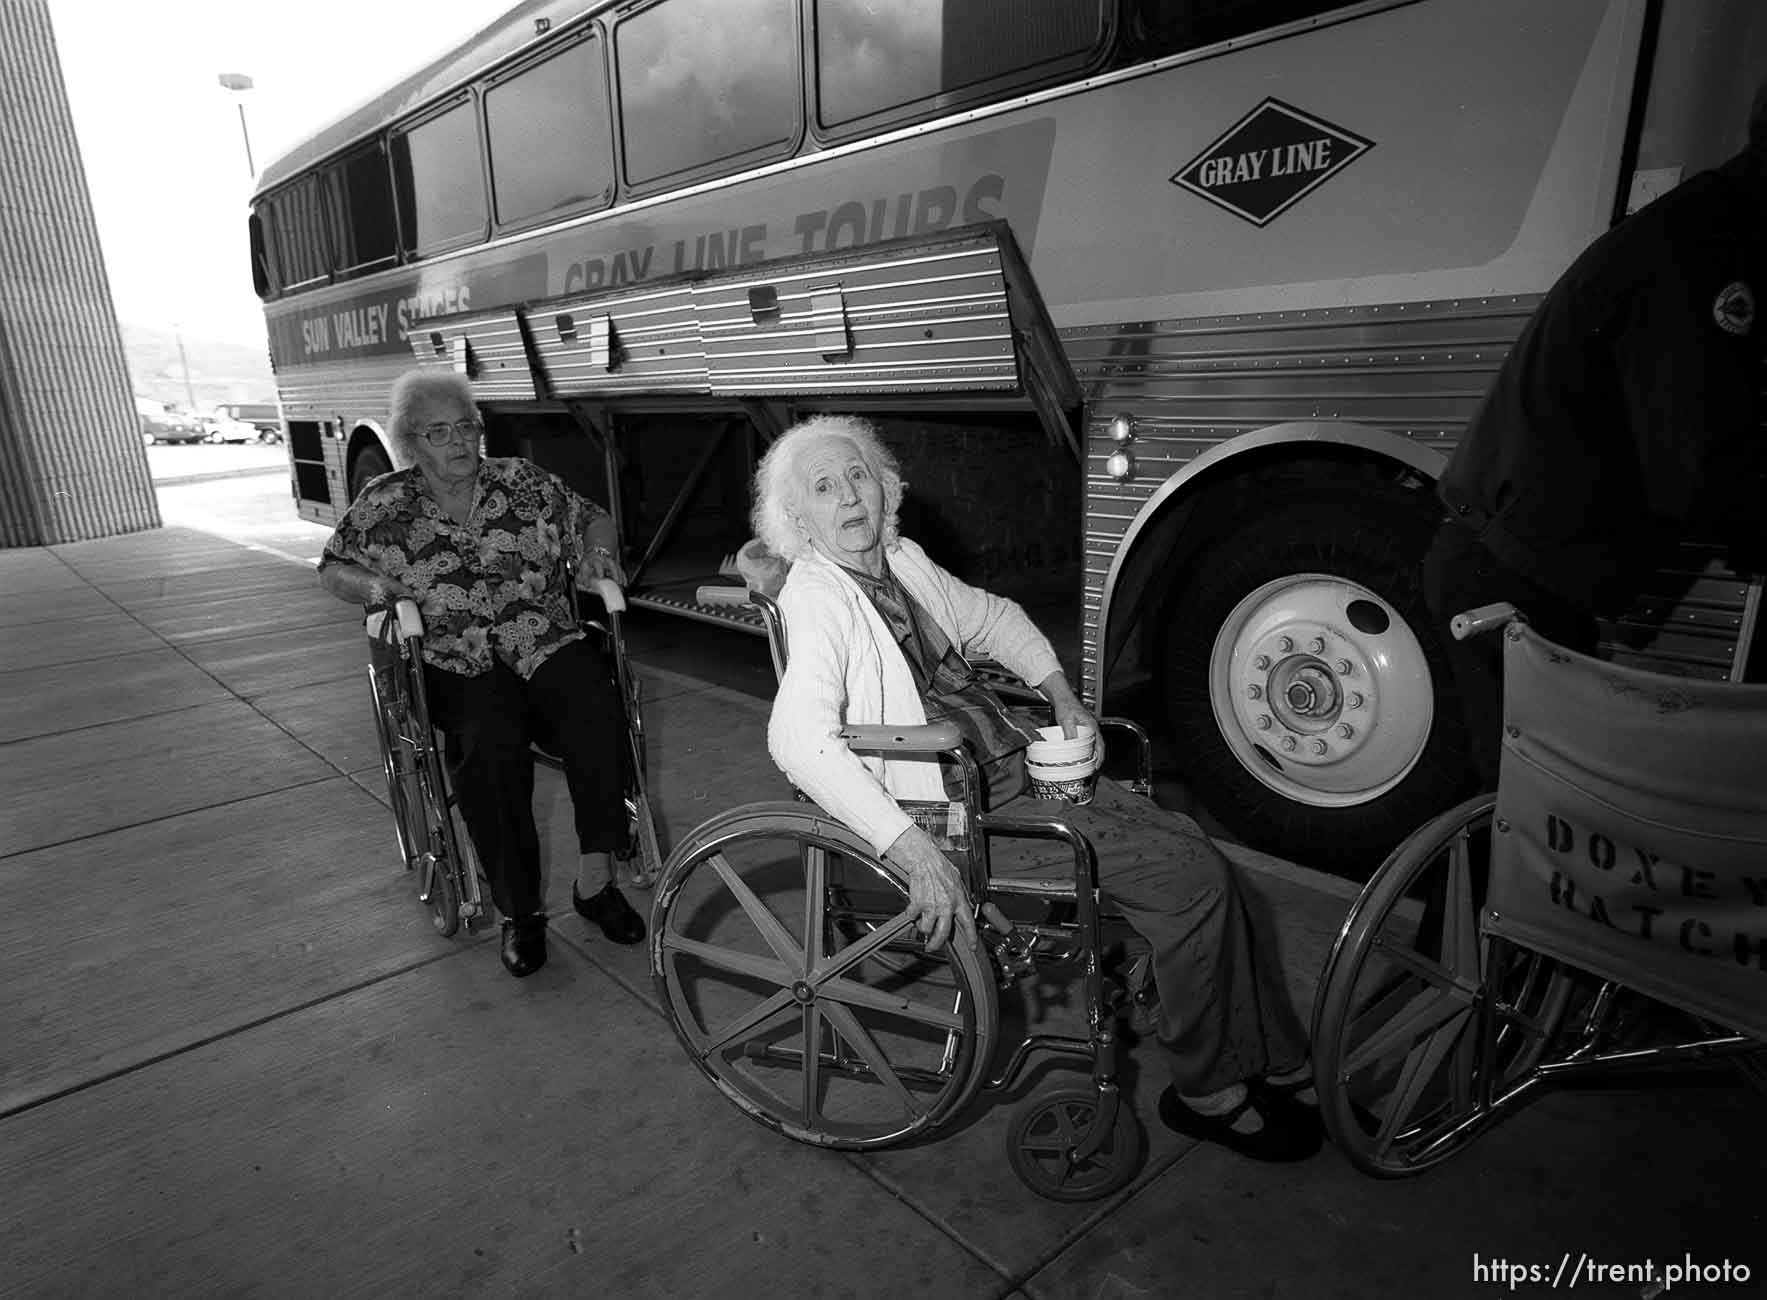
[{"x": 1321, "y": 690}]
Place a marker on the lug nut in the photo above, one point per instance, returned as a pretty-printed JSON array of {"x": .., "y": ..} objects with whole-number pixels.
[
  {"x": 1263, "y": 721},
  {"x": 1284, "y": 644},
  {"x": 1254, "y": 692},
  {"x": 1261, "y": 662},
  {"x": 1316, "y": 645},
  {"x": 1343, "y": 667},
  {"x": 1319, "y": 746},
  {"x": 1346, "y": 730},
  {"x": 1288, "y": 742},
  {"x": 1356, "y": 700}
]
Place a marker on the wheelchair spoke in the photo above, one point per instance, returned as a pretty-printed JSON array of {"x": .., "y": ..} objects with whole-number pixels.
[
  {"x": 812, "y": 1066},
  {"x": 847, "y": 1025},
  {"x": 1460, "y": 922},
  {"x": 1421, "y": 1067},
  {"x": 841, "y": 962},
  {"x": 1421, "y": 1015},
  {"x": 771, "y": 930},
  {"x": 755, "y": 1017},
  {"x": 1400, "y": 954},
  {"x": 815, "y": 864},
  {"x": 862, "y": 995},
  {"x": 741, "y": 963}
]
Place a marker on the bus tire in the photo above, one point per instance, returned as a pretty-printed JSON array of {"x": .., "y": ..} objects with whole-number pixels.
[
  {"x": 370, "y": 463},
  {"x": 1311, "y": 704}
]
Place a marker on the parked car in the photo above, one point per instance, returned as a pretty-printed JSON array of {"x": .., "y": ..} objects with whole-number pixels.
[
  {"x": 264, "y": 416},
  {"x": 172, "y": 427},
  {"x": 222, "y": 428}
]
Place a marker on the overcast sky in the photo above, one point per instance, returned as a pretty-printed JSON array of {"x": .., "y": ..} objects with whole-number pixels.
[{"x": 161, "y": 140}]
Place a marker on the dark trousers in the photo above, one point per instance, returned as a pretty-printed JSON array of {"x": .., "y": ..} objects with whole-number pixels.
[
  {"x": 1225, "y": 1014},
  {"x": 1459, "y": 574},
  {"x": 569, "y": 707}
]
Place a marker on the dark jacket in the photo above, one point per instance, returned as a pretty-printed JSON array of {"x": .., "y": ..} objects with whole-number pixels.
[{"x": 1628, "y": 414}]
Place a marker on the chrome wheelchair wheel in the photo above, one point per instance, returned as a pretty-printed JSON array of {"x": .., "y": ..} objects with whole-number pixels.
[
  {"x": 1047, "y": 1132},
  {"x": 793, "y": 977},
  {"x": 417, "y": 792},
  {"x": 1425, "y": 1033}
]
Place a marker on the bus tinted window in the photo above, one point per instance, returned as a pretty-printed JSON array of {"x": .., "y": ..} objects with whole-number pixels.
[
  {"x": 705, "y": 80},
  {"x": 297, "y": 228},
  {"x": 872, "y": 57},
  {"x": 547, "y": 129},
  {"x": 1159, "y": 27},
  {"x": 361, "y": 195},
  {"x": 440, "y": 184}
]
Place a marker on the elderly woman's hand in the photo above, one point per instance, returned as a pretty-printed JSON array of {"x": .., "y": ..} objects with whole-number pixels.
[
  {"x": 599, "y": 562},
  {"x": 936, "y": 894},
  {"x": 1070, "y": 714}
]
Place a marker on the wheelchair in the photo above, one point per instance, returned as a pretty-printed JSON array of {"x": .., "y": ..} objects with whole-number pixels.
[
  {"x": 447, "y": 878},
  {"x": 1602, "y": 913},
  {"x": 783, "y": 952}
]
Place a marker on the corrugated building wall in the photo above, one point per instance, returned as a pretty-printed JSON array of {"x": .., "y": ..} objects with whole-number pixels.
[{"x": 72, "y": 464}]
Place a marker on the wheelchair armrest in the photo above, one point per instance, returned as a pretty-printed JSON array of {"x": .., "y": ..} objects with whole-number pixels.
[
  {"x": 612, "y": 598},
  {"x": 933, "y": 737},
  {"x": 406, "y": 617},
  {"x": 1486, "y": 618},
  {"x": 722, "y": 597}
]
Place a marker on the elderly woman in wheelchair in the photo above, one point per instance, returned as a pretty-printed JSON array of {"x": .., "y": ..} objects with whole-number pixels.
[
  {"x": 481, "y": 546},
  {"x": 876, "y": 633}
]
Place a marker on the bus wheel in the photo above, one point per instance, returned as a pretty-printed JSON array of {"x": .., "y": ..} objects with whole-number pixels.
[
  {"x": 371, "y": 462},
  {"x": 1311, "y": 705}
]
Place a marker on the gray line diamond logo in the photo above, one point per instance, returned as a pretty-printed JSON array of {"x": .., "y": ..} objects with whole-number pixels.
[{"x": 1269, "y": 160}]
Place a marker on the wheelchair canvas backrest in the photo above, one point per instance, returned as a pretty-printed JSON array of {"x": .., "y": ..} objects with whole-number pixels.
[{"x": 1631, "y": 832}]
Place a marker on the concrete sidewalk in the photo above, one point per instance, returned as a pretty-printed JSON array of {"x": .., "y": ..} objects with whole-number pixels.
[{"x": 235, "y": 1059}]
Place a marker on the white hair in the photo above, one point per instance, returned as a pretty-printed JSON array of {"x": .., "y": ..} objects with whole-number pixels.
[
  {"x": 415, "y": 387},
  {"x": 780, "y": 489}
]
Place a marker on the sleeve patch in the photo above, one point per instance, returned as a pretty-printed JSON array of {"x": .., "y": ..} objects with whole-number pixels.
[{"x": 1734, "y": 308}]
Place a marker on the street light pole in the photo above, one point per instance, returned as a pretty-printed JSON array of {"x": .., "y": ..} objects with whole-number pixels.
[{"x": 237, "y": 82}]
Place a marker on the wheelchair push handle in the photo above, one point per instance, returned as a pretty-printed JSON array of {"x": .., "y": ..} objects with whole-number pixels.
[{"x": 1486, "y": 618}]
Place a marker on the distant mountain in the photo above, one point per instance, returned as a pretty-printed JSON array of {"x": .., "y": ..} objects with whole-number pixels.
[{"x": 219, "y": 372}]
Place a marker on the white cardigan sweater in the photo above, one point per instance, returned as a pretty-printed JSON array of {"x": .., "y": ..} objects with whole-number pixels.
[{"x": 843, "y": 667}]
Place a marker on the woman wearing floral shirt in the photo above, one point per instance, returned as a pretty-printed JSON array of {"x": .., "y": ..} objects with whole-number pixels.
[{"x": 480, "y": 544}]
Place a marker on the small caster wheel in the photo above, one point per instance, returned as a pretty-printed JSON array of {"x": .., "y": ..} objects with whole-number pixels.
[
  {"x": 444, "y": 901},
  {"x": 1044, "y": 1133}
]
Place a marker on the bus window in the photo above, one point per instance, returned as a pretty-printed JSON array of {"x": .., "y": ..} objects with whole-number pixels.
[
  {"x": 1161, "y": 27},
  {"x": 548, "y": 134},
  {"x": 262, "y": 281},
  {"x": 705, "y": 82},
  {"x": 439, "y": 180},
  {"x": 359, "y": 193},
  {"x": 297, "y": 229},
  {"x": 871, "y": 58}
]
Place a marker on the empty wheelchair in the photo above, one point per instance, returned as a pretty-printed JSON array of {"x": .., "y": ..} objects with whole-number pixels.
[
  {"x": 1605, "y": 911},
  {"x": 783, "y": 951},
  {"x": 434, "y": 851}
]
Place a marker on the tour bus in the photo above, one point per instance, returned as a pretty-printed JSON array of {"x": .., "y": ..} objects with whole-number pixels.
[{"x": 1172, "y": 310}]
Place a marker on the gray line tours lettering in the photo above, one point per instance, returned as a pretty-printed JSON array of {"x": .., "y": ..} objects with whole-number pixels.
[
  {"x": 1257, "y": 164},
  {"x": 849, "y": 224},
  {"x": 1704, "y": 912}
]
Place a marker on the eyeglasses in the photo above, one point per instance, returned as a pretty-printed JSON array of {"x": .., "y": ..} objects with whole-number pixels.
[{"x": 441, "y": 433}]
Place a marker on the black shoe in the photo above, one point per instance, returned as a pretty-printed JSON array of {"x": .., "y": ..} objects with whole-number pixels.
[
  {"x": 608, "y": 908},
  {"x": 1284, "y": 1136},
  {"x": 1284, "y": 1095},
  {"x": 524, "y": 944}
]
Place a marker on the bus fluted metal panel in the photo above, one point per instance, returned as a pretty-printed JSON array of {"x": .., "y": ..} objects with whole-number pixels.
[
  {"x": 906, "y": 319},
  {"x": 606, "y": 344},
  {"x": 487, "y": 347},
  {"x": 72, "y": 462}
]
